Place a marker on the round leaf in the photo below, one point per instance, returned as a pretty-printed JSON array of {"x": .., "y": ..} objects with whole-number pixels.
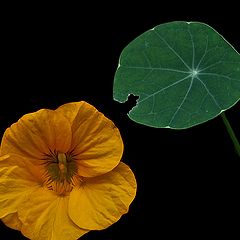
[{"x": 184, "y": 74}]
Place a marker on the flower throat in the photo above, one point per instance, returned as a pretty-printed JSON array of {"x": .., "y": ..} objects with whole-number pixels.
[{"x": 61, "y": 172}]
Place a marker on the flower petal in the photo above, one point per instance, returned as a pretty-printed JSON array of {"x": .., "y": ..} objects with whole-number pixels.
[
  {"x": 96, "y": 141},
  {"x": 102, "y": 200},
  {"x": 4, "y": 157},
  {"x": 14, "y": 188},
  {"x": 28, "y": 170},
  {"x": 35, "y": 133},
  {"x": 44, "y": 216},
  {"x": 12, "y": 221}
]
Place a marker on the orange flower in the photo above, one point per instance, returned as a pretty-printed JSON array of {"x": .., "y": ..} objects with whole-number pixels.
[{"x": 61, "y": 175}]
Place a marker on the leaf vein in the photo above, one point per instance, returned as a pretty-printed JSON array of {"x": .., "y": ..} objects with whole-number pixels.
[
  {"x": 155, "y": 68},
  {"x": 163, "y": 89},
  {"x": 183, "y": 101},
  {"x": 210, "y": 94},
  {"x": 161, "y": 38}
]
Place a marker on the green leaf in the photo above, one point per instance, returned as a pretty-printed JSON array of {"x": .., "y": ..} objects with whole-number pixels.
[{"x": 184, "y": 74}]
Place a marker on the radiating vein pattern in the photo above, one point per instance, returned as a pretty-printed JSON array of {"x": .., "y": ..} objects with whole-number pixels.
[{"x": 184, "y": 74}]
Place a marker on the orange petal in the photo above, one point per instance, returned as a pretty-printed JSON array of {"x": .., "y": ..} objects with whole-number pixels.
[
  {"x": 44, "y": 216},
  {"x": 35, "y": 133},
  {"x": 4, "y": 157},
  {"x": 102, "y": 200},
  {"x": 12, "y": 221},
  {"x": 28, "y": 170},
  {"x": 96, "y": 141},
  {"x": 15, "y": 186}
]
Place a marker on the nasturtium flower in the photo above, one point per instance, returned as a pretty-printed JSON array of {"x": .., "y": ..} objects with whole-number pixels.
[{"x": 61, "y": 174}]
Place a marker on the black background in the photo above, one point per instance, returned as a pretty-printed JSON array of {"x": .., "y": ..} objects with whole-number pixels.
[{"x": 188, "y": 180}]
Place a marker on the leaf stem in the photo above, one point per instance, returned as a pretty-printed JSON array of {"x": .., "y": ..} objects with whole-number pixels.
[{"x": 231, "y": 133}]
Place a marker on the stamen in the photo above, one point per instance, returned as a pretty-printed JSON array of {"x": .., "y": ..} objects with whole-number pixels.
[{"x": 62, "y": 163}]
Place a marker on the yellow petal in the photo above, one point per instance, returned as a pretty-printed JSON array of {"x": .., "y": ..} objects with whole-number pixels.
[
  {"x": 28, "y": 170},
  {"x": 44, "y": 216},
  {"x": 96, "y": 141},
  {"x": 35, "y": 133},
  {"x": 12, "y": 221},
  {"x": 4, "y": 157},
  {"x": 15, "y": 186},
  {"x": 102, "y": 200}
]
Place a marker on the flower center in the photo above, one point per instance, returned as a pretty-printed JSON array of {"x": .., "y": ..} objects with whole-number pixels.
[{"x": 61, "y": 172}]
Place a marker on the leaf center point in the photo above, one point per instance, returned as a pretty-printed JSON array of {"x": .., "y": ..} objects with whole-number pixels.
[{"x": 194, "y": 73}]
